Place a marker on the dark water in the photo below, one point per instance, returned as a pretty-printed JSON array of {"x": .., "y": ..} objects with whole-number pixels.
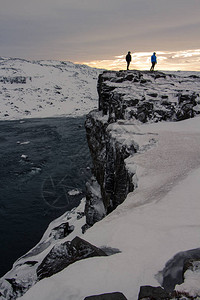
[{"x": 41, "y": 160}]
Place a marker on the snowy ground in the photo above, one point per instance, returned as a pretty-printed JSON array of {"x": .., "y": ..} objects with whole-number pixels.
[
  {"x": 52, "y": 88},
  {"x": 156, "y": 221}
]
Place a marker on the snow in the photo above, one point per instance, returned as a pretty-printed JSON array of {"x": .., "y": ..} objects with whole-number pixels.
[
  {"x": 52, "y": 89},
  {"x": 191, "y": 283},
  {"x": 74, "y": 192},
  {"x": 157, "y": 220}
]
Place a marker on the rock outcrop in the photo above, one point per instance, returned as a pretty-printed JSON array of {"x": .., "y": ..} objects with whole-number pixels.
[
  {"x": 152, "y": 293},
  {"x": 108, "y": 156},
  {"x": 136, "y": 96},
  {"x": 61, "y": 231},
  {"x": 63, "y": 255},
  {"x": 146, "y": 96},
  {"x": 175, "y": 268},
  {"x": 110, "y": 296},
  {"x": 14, "y": 79},
  {"x": 59, "y": 257},
  {"x": 94, "y": 207}
]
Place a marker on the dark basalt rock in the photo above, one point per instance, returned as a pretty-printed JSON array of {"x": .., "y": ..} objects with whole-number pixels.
[
  {"x": 31, "y": 263},
  {"x": 131, "y": 102},
  {"x": 108, "y": 167},
  {"x": 94, "y": 208},
  {"x": 65, "y": 254},
  {"x": 173, "y": 273},
  {"x": 130, "y": 77},
  {"x": 164, "y": 96},
  {"x": 153, "y": 293},
  {"x": 80, "y": 215},
  {"x": 144, "y": 112},
  {"x": 14, "y": 79},
  {"x": 61, "y": 231},
  {"x": 186, "y": 104},
  {"x": 194, "y": 76},
  {"x": 159, "y": 75},
  {"x": 19, "y": 288},
  {"x": 192, "y": 264},
  {"x": 110, "y": 296},
  {"x": 112, "y": 102},
  {"x": 154, "y": 95}
]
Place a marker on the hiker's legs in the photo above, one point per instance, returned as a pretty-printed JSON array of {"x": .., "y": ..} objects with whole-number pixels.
[
  {"x": 128, "y": 63},
  {"x": 152, "y": 67}
]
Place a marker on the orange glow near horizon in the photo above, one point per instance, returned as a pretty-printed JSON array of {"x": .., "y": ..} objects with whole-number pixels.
[{"x": 184, "y": 60}]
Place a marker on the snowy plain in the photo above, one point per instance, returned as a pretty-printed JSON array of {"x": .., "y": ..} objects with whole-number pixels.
[
  {"x": 160, "y": 218},
  {"x": 52, "y": 89}
]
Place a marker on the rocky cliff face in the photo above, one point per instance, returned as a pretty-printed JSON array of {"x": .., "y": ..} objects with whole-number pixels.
[
  {"x": 132, "y": 96},
  {"x": 108, "y": 155},
  {"x": 147, "y": 96}
]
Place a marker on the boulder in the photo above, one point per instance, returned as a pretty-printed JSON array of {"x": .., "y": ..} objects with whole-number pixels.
[
  {"x": 110, "y": 296},
  {"x": 152, "y": 293},
  {"x": 62, "y": 255},
  {"x": 61, "y": 231},
  {"x": 174, "y": 270}
]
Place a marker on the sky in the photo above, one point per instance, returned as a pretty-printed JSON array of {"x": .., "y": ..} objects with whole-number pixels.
[{"x": 101, "y": 32}]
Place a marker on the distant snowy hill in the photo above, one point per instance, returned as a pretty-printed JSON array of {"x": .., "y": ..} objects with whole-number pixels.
[{"x": 31, "y": 89}]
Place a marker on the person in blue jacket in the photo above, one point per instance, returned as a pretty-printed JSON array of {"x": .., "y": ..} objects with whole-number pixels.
[{"x": 153, "y": 61}]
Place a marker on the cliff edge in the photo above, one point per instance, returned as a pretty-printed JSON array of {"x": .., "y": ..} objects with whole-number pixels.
[{"x": 129, "y": 99}]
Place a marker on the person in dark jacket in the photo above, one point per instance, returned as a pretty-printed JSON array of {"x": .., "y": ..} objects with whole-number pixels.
[
  {"x": 153, "y": 61},
  {"x": 128, "y": 59}
]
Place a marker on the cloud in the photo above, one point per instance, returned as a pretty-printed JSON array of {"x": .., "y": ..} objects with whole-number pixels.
[{"x": 184, "y": 60}]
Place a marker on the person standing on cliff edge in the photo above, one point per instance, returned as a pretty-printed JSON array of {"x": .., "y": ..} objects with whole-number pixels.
[
  {"x": 153, "y": 61},
  {"x": 128, "y": 59}
]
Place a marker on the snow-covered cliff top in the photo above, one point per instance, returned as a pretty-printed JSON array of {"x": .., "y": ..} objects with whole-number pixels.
[{"x": 149, "y": 95}]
